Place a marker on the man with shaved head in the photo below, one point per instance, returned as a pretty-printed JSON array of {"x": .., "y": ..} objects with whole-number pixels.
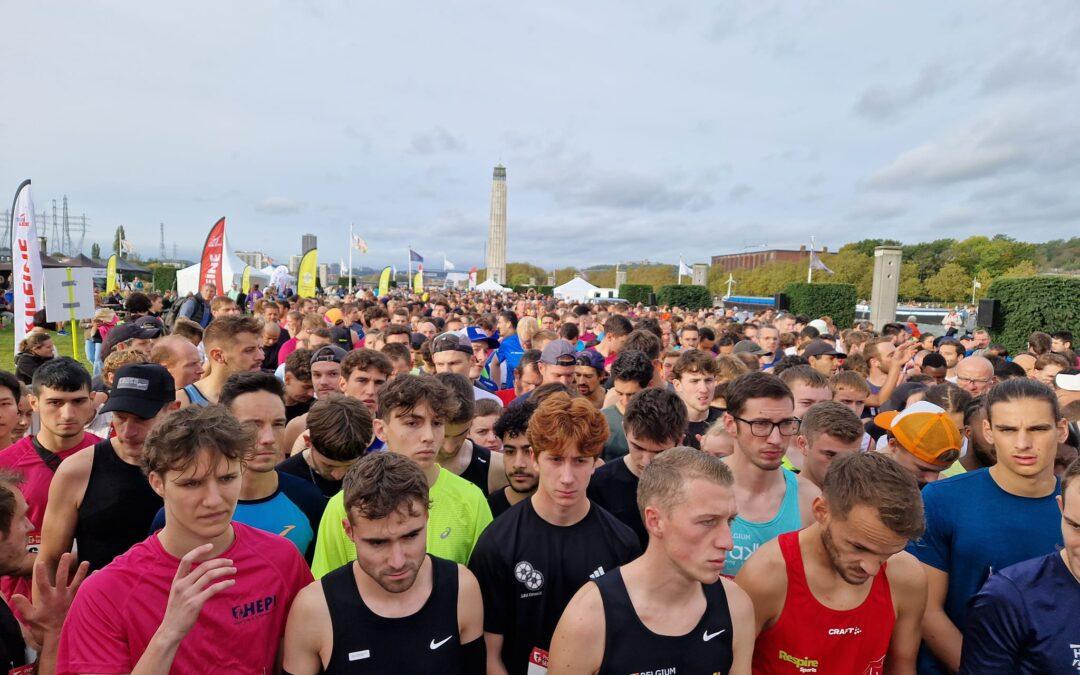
[
  {"x": 180, "y": 357},
  {"x": 975, "y": 375}
]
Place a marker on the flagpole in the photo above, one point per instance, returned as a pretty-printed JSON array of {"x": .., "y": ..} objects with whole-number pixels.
[
  {"x": 810, "y": 268},
  {"x": 409, "y": 278},
  {"x": 350, "y": 256},
  {"x": 974, "y": 285}
]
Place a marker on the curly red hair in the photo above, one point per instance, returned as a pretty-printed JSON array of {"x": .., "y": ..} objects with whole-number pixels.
[{"x": 561, "y": 422}]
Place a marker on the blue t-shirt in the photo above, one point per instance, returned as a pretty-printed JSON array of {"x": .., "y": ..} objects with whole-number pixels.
[
  {"x": 1024, "y": 621},
  {"x": 974, "y": 528},
  {"x": 510, "y": 352},
  {"x": 293, "y": 511}
]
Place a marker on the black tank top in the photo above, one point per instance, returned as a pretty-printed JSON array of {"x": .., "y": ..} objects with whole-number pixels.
[
  {"x": 630, "y": 647},
  {"x": 117, "y": 510},
  {"x": 364, "y": 642},
  {"x": 477, "y": 470}
]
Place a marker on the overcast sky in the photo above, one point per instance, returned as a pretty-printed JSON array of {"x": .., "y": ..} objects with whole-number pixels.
[{"x": 629, "y": 130}]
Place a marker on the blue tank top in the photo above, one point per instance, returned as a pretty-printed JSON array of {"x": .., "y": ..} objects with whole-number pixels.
[
  {"x": 749, "y": 535},
  {"x": 195, "y": 396}
]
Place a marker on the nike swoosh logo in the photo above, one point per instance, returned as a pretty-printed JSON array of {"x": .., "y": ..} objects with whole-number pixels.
[
  {"x": 482, "y": 461},
  {"x": 708, "y": 636},
  {"x": 286, "y": 531},
  {"x": 440, "y": 643}
]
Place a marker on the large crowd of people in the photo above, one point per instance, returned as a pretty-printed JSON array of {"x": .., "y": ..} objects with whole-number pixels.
[{"x": 457, "y": 482}]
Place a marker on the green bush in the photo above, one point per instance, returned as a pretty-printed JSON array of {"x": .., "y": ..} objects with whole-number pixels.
[
  {"x": 1046, "y": 303},
  {"x": 542, "y": 290},
  {"x": 635, "y": 293},
  {"x": 164, "y": 279},
  {"x": 686, "y": 296},
  {"x": 818, "y": 300}
]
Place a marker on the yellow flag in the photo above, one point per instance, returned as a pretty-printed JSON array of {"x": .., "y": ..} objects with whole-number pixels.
[
  {"x": 110, "y": 275},
  {"x": 384, "y": 282},
  {"x": 307, "y": 273},
  {"x": 245, "y": 282},
  {"x": 418, "y": 283}
]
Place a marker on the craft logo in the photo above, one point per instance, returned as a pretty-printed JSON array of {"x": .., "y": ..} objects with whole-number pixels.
[
  {"x": 804, "y": 664},
  {"x": 851, "y": 630},
  {"x": 253, "y": 609}
]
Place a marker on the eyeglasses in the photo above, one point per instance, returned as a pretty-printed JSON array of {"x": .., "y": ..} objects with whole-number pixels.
[
  {"x": 960, "y": 379},
  {"x": 764, "y": 428}
]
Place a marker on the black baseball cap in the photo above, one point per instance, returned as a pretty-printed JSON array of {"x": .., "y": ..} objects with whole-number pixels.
[
  {"x": 141, "y": 389},
  {"x": 328, "y": 353},
  {"x": 125, "y": 332},
  {"x": 451, "y": 342},
  {"x": 821, "y": 348}
]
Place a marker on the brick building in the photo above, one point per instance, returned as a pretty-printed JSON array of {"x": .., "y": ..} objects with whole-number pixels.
[{"x": 751, "y": 259}]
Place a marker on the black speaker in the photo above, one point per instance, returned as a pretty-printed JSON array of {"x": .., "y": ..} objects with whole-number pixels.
[
  {"x": 652, "y": 299},
  {"x": 989, "y": 313},
  {"x": 780, "y": 302}
]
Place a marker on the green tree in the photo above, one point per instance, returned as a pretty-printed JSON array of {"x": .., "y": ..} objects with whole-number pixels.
[
  {"x": 1020, "y": 270},
  {"x": 95, "y": 251},
  {"x": 951, "y": 284},
  {"x": 117, "y": 238},
  {"x": 910, "y": 286},
  {"x": 929, "y": 256},
  {"x": 867, "y": 246}
]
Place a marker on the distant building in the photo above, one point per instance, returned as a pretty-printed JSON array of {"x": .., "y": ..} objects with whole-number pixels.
[
  {"x": 753, "y": 259},
  {"x": 496, "y": 245},
  {"x": 294, "y": 263},
  {"x": 308, "y": 242},
  {"x": 256, "y": 259}
]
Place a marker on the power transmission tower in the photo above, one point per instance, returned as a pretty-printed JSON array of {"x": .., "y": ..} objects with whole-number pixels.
[
  {"x": 174, "y": 250},
  {"x": 55, "y": 240},
  {"x": 82, "y": 233},
  {"x": 162, "y": 254},
  {"x": 67, "y": 230}
]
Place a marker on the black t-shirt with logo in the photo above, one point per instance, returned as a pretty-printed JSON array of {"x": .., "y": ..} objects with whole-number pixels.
[{"x": 529, "y": 570}]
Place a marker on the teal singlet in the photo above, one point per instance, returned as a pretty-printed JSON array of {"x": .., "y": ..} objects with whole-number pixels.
[{"x": 749, "y": 535}]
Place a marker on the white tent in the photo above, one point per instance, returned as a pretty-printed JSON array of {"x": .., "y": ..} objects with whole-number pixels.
[
  {"x": 577, "y": 289},
  {"x": 491, "y": 285},
  {"x": 232, "y": 272}
]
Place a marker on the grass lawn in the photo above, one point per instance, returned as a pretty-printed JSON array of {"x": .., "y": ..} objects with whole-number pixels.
[{"x": 62, "y": 342}]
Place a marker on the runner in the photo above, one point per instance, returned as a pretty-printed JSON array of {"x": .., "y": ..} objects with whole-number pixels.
[
  {"x": 60, "y": 395},
  {"x": 1023, "y": 620},
  {"x": 588, "y": 375},
  {"x": 482, "y": 431},
  {"x": 299, "y": 392},
  {"x": 760, "y": 417},
  {"x": 396, "y": 609},
  {"x": 829, "y": 430},
  {"x": 180, "y": 358},
  {"x": 922, "y": 438},
  {"x": 521, "y": 475},
  {"x": 413, "y": 410},
  {"x": 815, "y": 611},
  {"x": 537, "y": 555},
  {"x": 204, "y": 590},
  {"x": 631, "y": 372},
  {"x": 983, "y": 521},
  {"x": 453, "y": 353},
  {"x": 664, "y": 612},
  {"x": 339, "y": 431},
  {"x": 233, "y": 344},
  {"x": 99, "y": 496},
  {"x": 808, "y": 387},
  {"x": 458, "y": 454},
  {"x": 694, "y": 380},
  {"x": 655, "y": 421}
]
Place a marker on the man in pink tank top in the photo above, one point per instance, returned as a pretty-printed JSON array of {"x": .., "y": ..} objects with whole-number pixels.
[{"x": 842, "y": 596}]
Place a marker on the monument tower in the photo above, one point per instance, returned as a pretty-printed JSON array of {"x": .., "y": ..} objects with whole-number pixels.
[{"x": 496, "y": 248}]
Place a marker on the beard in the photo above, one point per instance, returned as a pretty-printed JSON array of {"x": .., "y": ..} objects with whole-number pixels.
[{"x": 847, "y": 574}]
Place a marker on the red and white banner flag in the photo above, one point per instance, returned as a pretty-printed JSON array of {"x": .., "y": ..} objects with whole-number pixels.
[
  {"x": 25, "y": 263},
  {"x": 213, "y": 254}
]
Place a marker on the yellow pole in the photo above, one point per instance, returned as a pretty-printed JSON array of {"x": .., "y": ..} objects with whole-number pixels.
[{"x": 71, "y": 312}]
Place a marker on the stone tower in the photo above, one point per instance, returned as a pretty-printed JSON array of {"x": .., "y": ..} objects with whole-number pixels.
[{"x": 496, "y": 248}]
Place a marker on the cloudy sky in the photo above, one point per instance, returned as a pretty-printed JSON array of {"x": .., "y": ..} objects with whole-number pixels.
[{"x": 629, "y": 129}]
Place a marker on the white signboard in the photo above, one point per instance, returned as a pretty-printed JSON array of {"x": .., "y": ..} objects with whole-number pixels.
[{"x": 67, "y": 289}]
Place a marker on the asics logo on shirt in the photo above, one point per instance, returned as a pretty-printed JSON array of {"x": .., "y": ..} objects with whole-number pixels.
[
  {"x": 444, "y": 534},
  {"x": 706, "y": 636},
  {"x": 435, "y": 645}
]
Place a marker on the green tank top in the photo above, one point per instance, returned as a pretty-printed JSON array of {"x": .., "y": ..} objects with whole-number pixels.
[{"x": 749, "y": 535}]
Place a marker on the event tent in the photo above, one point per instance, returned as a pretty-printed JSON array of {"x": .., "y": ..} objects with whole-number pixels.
[
  {"x": 577, "y": 289},
  {"x": 232, "y": 272},
  {"x": 489, "y": 285}
]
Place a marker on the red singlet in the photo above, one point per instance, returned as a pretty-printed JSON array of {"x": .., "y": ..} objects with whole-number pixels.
[{"x": 812, "y": 638}]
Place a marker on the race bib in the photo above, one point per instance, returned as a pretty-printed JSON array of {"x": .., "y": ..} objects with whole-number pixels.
[{"x": 538, "y": 662}]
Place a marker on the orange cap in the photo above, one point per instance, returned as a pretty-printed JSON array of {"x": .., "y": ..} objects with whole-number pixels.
[
  {"x": 925, "y": 430},
  {"x": 334, "y": 316}
]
